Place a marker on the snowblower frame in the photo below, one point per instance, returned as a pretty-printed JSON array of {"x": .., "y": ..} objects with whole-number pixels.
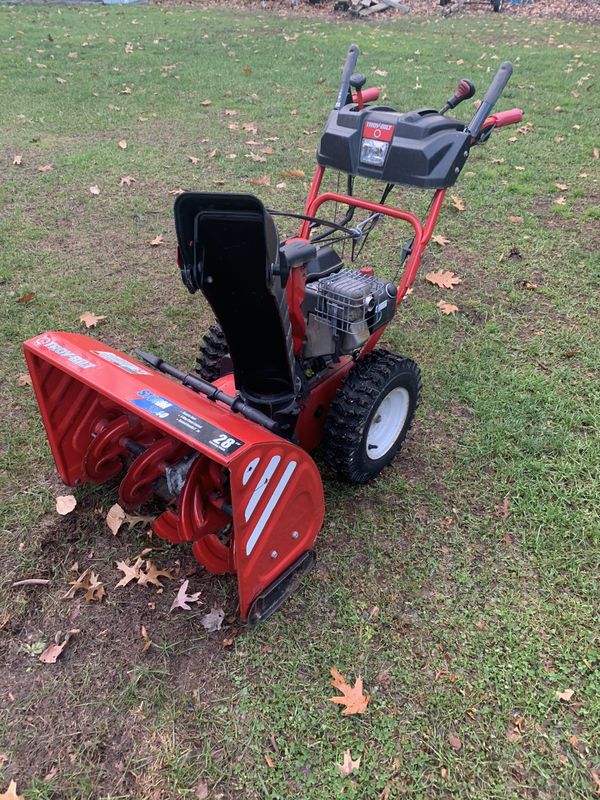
[{"x": 231, "y": 452}]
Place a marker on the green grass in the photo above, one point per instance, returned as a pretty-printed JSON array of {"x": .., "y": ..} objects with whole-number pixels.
[{"x": 459, "y": 621}]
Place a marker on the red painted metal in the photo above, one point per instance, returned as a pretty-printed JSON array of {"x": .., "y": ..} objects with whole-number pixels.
[
  {"x": 312, "y": 193},
  {"x": 137, "y": 488},
  {"x": 271, "y": 486},
  {"x": 314, "y": 408},
  {"x": 295, "y": 289}
]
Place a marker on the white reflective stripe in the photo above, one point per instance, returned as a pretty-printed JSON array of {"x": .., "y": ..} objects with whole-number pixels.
[
  {"x": 264, "y": 517},
  {"x": 250, "y": 469},
  {"x": 261, "y": 486}
]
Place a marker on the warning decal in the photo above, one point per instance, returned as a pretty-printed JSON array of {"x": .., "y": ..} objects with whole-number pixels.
[{"x": 186, "y": 422}]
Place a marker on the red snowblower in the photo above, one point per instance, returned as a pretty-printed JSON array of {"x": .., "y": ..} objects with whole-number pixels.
[{"x": 291, "y": 365}]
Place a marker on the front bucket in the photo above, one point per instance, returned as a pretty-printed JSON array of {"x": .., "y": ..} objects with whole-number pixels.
[{"x": 249, "y": 501}]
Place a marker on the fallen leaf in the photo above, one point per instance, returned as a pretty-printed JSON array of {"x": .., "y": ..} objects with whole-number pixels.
[
  {"x": 264, "y": 181},
  {"x": 156, "y": 241},
  {"x": 520, "y": 169},
  {"x": 447, "y": 308},
  {"x": 205, "y": 102},
  {"x": 454, "y": 742},
  {"x": 353, "y": 697},
  {"x": 54, "y": 650},
  {"x": 528, "y": 285},
  {"x": 293, "y": 173},
  {"x": 502, "y": 509},
  {"x": 80, "y": 583},
  {"x": 255, "y": 157},
  {"x": 89, "y": 319},
  {"x": 60, "y": 80},
  {"x": 443, "y": 278},
  {"x": 382, "y": 73},
  {"x": 201, "y": 790},
  {"x": 560, "y": 201},
  {"x": 440, "y": 240},
  {"x": 11, "y": 793},
  {"x": 268, "y": 151},
  {"x": 131, "y": 572},
  {"x": 281, "y": 185},
  {"x": 270, "y": 762},
  {"x": 566, "y": 695},
  {"x": 123, "y": 144},
  {"x": 24, "y": 380},
  {"x": 46, "y": 168},
  {"x": 508, "y": 539},
  {"x": 457, "y": 202},
  {"x": 252, "y": 127},
  {"x": 183, "y": 599},
  {"x": 230, "y": 112},
  {"x": 132, "y": 520},
  {"x": 126, "y": 90},
  {"x": 65, "y": 503},
  {"x": 18, "y": 160},
  {"x": 348, "y": 766},
  {"x": 516, "y": 220},
  {"x": 147, "y": 640},
  {"x": 596, "y": 153},
  {"x": 213, "y": 621},
  {"x": 127, "y": 180},
  {"x": 115, "y": 518},
  {"x": 94, "y": 589},
  {"x": 94, "y": 190},
  {"x": 152, "y": 574},
  {"x": 247, "y": 70},
  {"x": 194, "y": 159},
  {"x": 26, "y": 298},
  {"x": 562, "y": 186}
]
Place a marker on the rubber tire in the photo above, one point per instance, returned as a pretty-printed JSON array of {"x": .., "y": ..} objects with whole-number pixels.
[
  {"x": 345, "y": 433},
  {"x": 213, "y": 349}
]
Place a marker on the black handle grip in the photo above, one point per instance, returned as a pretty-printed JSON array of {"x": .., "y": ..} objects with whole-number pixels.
[
  {"x": 349, "y": 66},
  {"x": 494, "y": 91}
]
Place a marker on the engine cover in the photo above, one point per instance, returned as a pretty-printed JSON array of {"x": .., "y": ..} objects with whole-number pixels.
[{"x": 343, "y": 310}]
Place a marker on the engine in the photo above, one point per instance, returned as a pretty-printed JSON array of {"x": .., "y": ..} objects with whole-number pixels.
[{"x": 343, "y": 309}]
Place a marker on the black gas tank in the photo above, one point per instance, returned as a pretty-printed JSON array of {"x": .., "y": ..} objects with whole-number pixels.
[{"x": 419, "y": 148}]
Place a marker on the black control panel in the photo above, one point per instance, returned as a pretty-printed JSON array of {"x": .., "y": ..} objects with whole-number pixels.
[{"x": 419, "y": 148}]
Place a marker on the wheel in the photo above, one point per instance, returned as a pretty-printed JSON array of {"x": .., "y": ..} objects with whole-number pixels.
[
  {"x": 213, "y": 351},
  {"x": 371, "y": 415},
  {"x": 497, "y": 5}
]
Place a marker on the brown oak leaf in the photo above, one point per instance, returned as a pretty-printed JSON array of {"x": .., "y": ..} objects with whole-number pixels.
[
  {"x": 349, "y": 765},
  {"x": 447, "y": 308},
  {"x": 443, "y": 278},
  {"x": 353, "y": 697},
  {"x": 89, "y": 319},
  {"x": 183, "y": 598}
]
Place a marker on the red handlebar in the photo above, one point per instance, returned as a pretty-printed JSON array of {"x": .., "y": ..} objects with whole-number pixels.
[
  {"x": 502, "y": 118},
  {"x": 367, "y": 95}
]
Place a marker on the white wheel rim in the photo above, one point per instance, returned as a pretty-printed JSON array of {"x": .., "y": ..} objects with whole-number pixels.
[{"x": 387, "y": 423}]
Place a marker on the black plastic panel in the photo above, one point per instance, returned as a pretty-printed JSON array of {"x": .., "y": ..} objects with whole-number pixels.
[{"x": 425, "y": 149}]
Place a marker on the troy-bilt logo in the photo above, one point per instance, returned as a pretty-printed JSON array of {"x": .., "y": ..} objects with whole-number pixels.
[
  {"x": 382, "y": 131},
  {"x": 63, "y": 352}
]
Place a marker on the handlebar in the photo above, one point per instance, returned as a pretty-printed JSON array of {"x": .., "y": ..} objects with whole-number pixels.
[
  {"x": 502, "y": 118},
  {"x": 367, "y": 95},
  {"x": 349, "y": 67},
  {"x": 494, "y": 91}
]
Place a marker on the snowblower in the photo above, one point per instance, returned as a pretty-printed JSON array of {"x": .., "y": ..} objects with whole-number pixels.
[{"x": 291, "y": 365}]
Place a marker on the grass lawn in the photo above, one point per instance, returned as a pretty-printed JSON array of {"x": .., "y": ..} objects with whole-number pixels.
[{"x": 463, "y": 584}]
